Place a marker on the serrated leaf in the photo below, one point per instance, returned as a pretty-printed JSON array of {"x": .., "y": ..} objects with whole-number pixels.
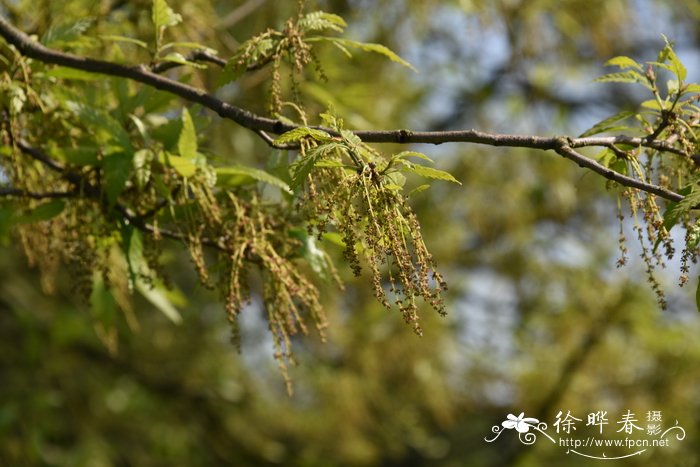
[
  {"x": 302, "y": 167},
  {"x": 623, "y": 62},
  {"x": 129, "y": 40},
  {"x": 692, "y": 88},
  {"x": 418, "y": 155},
  {"x": 297, "y": 134},
  {"x": 630, "y": 76},
  {"x": 365, "y": 47},
  {"x": 187, "y": 142},
  {"x": 108, "y": 129},
  {"x": 260, "y": 175},
  {"x": 430, "y": 172},
  {"x": 351, "y": 138},
  {"x": 606, "y": 125},
  {"x": 66, "y": 33},
  {"x": 43, "y": 212},
  {"x": 320, "y": 21},
  {"x": 163, "y": 16},
  {"x": 677, "y": 66}
]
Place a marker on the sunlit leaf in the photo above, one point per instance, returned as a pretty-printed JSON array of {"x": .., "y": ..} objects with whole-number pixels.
[
  {"x": 223, "y": 175},
  {"x": 347, "y": 44},
  {"x": 163, "y": 16},
  {"x": 71, "y": 73},
  {"x": 320, "y": 21},
  {"x": 418, "y": 155},
  {"x": 298, "y": 134},
  {"x": 607, "y": 124},
  {"x": 429, "y": 172},
  {"x": 623, "y": 62},
  {"x": 187, "y": 142},
  {"x": 185, "y": 167}
]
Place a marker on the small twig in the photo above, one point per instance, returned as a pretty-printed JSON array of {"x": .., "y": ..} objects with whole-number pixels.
[
  {"x": 564, "y": 149},
  {"x": 18, "y": 193}
]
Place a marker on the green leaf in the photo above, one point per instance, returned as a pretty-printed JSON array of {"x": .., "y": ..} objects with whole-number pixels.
[
  {"x": 320, "y": 21},
  {"x": 107, "y": 129},
  {"x": 156, "y": 294},
  {"x": 623, "y": 62},
  {"x": 312, "y": 254},
  {"x": 345, "y": 44},
  {"x": 430, "y": 172},
  {"x": 138, "y": 268},
  {"x": 396, "y": 179},
  {"x": 142, "y": 167},
  {"x": 334, "y": 238},
  {"x": 117, "y": 169},
  {"x": 129, "y": 40},
  {"x": 692, "y": 88},
  {"x": 185, "y": 167},
  {"x": 230, "y": 176},
  {"x": 103, "y": 306},
  {"x": 303, "y": 166},
  {"x": 418, "y": 155},
  {"x": 67, "y": 33},
  {"x": 629, "y": 76},
  {"x": 298, "y": 134},
  {"x": 607, "y": 124},
  {"x": 82, "y": 155},
  {"x": 190, "y": 45},
  {"x": 418, "y": 189},
  {"x": 176, "y": 57},
  {"x": 163, "y": 16},
  {"x": 677, "y": 66},
  {"x": 61, "y": 72},
  {"x": 187, "y": 142},
  {"x": 654, "y": 104},
  {"x": 43, "y": 212}
]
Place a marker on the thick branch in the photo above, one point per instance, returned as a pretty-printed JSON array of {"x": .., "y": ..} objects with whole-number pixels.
[
  {"x": 17, "y": 193},
  {"x": 262, "y": 125}
]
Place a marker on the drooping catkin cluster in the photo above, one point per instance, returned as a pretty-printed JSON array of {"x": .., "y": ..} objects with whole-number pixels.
[{"x": 378, "y": 228}]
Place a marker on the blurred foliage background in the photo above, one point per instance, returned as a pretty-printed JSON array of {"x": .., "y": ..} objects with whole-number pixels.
[{"x": 540, "y": 318}]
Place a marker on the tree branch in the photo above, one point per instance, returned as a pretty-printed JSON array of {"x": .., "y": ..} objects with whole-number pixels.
[
  {"x": 16, "y": 192},
  {"x": 262, "y": 125}
]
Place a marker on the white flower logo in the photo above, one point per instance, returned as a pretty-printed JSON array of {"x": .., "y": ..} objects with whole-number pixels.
[{"x": 521, "y": 423}]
